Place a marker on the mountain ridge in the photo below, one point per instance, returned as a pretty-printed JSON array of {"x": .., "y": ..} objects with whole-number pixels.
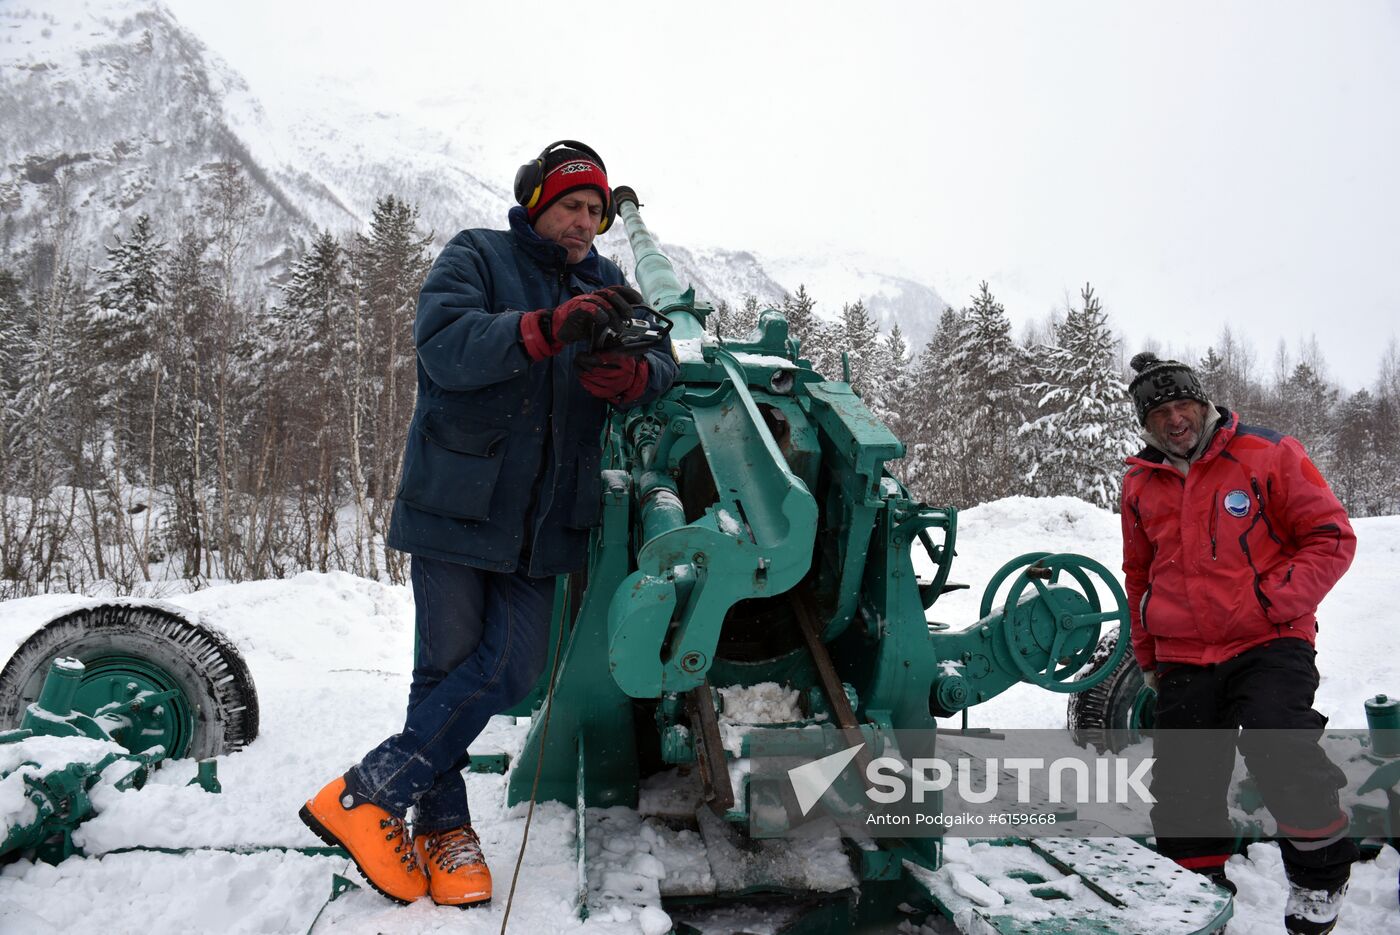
[{"x": 119, "y": 109}]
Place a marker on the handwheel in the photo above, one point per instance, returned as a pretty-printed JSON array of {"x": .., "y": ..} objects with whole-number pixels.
[{"x": 1052, "y": 635}]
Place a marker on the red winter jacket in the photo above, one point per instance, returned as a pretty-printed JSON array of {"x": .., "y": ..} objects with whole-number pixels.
[{"x": 1238, "y": 552}]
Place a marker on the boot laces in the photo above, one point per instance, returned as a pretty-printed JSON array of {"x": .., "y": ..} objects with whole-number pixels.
[
  {"x": 455, "y": 848},
  {"x": 395, "y": 827}
]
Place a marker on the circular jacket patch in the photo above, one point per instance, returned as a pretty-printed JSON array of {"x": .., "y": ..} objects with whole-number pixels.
[{"x": 1237, "y": 503}]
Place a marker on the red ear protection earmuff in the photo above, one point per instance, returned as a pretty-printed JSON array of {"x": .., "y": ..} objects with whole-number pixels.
[{"x": 529, "y": 180}]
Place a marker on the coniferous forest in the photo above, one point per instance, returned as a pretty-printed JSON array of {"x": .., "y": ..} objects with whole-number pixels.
[{"x": 177, "y": 415}]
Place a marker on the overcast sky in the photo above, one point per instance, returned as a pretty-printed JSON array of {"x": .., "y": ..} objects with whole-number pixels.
[{"x": 1202, "y": 164}]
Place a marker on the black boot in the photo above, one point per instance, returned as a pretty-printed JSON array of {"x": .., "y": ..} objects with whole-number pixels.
[{"x": 1313, "y": 912}]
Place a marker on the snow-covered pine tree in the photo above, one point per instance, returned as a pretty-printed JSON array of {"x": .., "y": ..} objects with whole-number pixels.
[
  {"x": 229, "y": 212},
  {"x": 53, "y": 431},
  {"x": 388, "y": 264},
  {"x": 894, "y": 392},
  {"x": 745, "y": 318},
  {"x": 800, "y": 311},
  {"x": 1358, "y": 472},
  {"x": 308, "y": 351},
  {"x": 1085, "y": 427},
  {"x": 1228, "y": 374},
  {"x": 14, "y": 339},
  {"x": 123, "y": 320},
  {"x": 929, "y": 463},
  {"x": 988, "y": 408},
  {"x": 719, "y": 323},
  {"x": 125, "y": 325},
  {"x": 191, "y": 293},
  {"x": 860, "y": 339},
  {"x": 1305, "y": 410},
  {"x": 1212, "y": 372},
  {"x": 824, "y": 349}
]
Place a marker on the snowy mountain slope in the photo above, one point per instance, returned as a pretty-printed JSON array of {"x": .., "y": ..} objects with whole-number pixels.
[
  {"x": 137, "y": 111},
  {"x": 329, "y": 654},
  {"x": 125, "y": 99},
  {"x": 835, "y": 279},
  {"x": 140, "y": 110}
]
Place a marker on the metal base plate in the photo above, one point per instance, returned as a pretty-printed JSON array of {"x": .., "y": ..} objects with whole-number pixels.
[{"x": 1058, "y": 886}]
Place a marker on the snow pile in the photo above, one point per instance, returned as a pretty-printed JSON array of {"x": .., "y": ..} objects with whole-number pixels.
[
  {"x": 748, "y": 706},
  {"x": 628, "y": 860}
]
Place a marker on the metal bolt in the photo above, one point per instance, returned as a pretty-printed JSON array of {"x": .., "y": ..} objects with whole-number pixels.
[
  {"x": 693, "y": 661},
  {"x": 698, "y": 559}
]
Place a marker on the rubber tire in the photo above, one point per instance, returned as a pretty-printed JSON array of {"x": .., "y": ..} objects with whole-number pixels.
[
  {"x": 1102, "y": 717},
  {"x": 205, "y": 665}
]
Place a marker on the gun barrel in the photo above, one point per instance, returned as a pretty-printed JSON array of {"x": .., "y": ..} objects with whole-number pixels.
[{"x": 656, "y": 277}]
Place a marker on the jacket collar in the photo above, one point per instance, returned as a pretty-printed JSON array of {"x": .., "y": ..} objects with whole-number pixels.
[
  {"x": 1218, "y": 434},
  {"x": 549, "y": 254}
]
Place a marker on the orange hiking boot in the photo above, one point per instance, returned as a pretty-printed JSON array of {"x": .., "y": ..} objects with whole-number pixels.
[
  {"x": 376, "y": 840},
  {"x": 457, "y": 872}
]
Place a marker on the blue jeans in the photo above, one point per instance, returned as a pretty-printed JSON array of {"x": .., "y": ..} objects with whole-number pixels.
[{"x": 482, "y": 642}]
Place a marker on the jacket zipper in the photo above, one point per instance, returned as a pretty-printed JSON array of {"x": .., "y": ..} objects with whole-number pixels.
[{"x": 1214, "y": 510}]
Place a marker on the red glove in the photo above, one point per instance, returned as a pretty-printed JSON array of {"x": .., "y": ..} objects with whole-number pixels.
[
  {"x": 545, "y": 332},
  {"x": 616, "y": 377}
]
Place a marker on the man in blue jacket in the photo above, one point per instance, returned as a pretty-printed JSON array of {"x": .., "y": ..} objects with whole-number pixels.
[{"x": 500, "y": 488}]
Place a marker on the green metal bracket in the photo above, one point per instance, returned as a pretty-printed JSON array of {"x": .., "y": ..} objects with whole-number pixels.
[
  {"x": 207, "y": 777},
  {"x": 755, "y": 541},
  {"x": 493, "y": 763}
]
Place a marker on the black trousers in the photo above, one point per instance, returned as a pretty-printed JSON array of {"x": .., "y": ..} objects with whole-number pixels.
[{"x": 1259, "y": 702}]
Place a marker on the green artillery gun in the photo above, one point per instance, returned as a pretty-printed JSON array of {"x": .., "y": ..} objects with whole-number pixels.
[{"x": 750, "y": 534}]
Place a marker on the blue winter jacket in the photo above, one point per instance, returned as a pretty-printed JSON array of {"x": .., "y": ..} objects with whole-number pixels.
[{"x": 503, "y": 455}]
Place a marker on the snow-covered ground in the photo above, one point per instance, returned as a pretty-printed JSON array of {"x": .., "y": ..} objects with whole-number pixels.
[{"x": 330, "y": 657}]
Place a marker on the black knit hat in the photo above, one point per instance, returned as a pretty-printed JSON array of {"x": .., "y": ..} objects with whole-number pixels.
[{"x": 1161, "y": 381}]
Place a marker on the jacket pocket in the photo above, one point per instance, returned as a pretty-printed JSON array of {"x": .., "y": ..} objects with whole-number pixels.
[
  {"x": 1142, "y": 608},
  {"x": 588, "y": 489},
  {"x": 452, "y": 465}
]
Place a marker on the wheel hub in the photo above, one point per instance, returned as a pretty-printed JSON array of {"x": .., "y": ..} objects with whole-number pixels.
[{"x": 118, "y": 679}]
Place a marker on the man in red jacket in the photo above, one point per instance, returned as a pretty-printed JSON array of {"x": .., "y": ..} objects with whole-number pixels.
[{"x": 1231, "y": 538}]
